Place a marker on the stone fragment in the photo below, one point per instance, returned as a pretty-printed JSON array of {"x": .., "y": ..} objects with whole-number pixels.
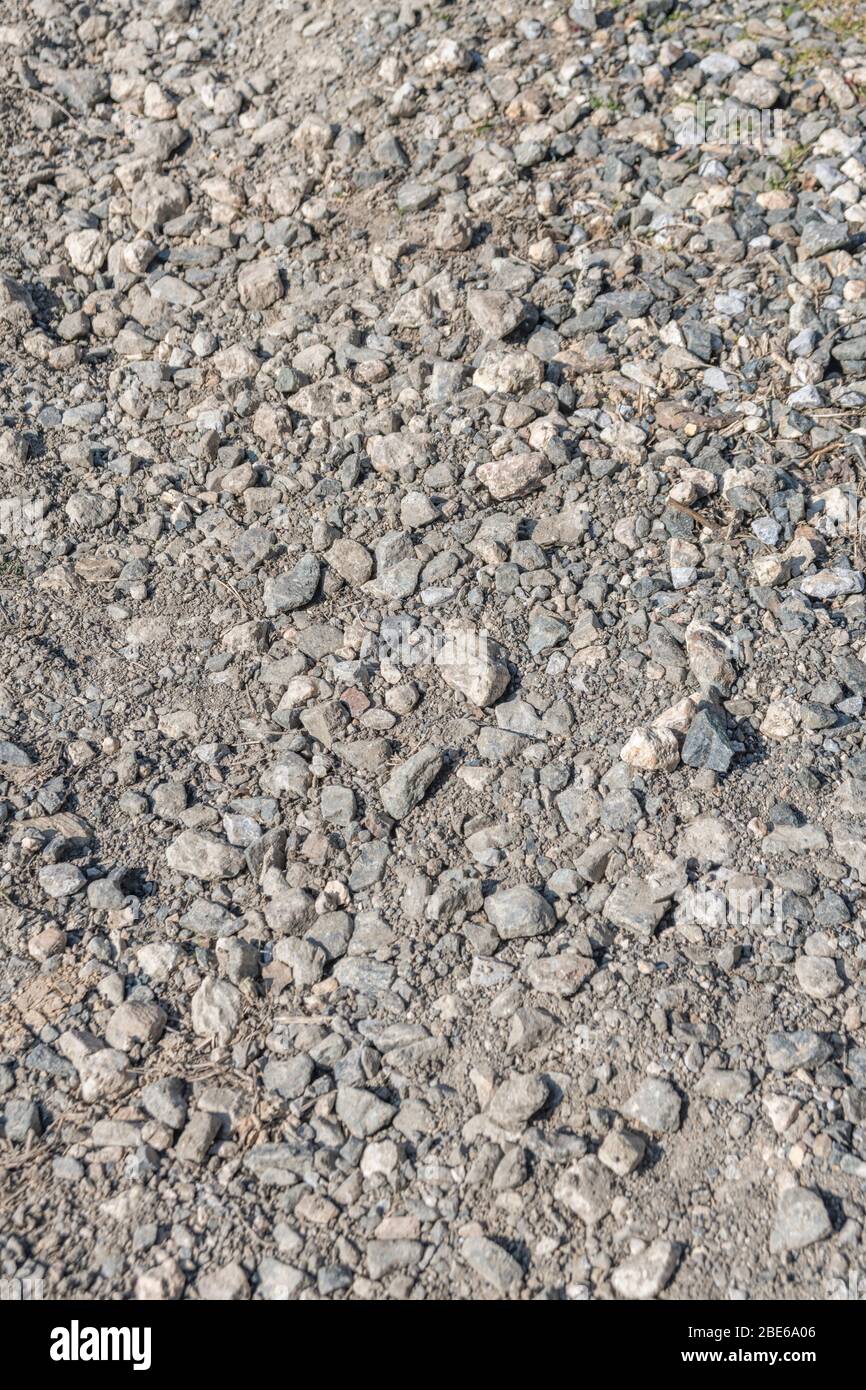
[
  {"x": 362, "y": 1112},
  {"x": 801, "y": 1219},
  {"x": 655, "y": 1106},
  {"x": 519, "y": 912},
  {"x": 216, "y": 1011},
  {"x": 707, "y": 744},
  {"x": 409, "y": 782},
  {"x": 622, "y": 1151},
  {"x": 493, "y": 1265},
  {"x": 259, "y": 284},
  {"x": 135, "y": 1022},
  {"x": 818, "y": 976},
  {"x": 635, "y": 907},
  {"x": 788, "y": 1052},
  {"x": 647, "y": 1274},
  {"x": 516, "y": 1100},
  {"x": 514, "y": 475},
  {"x": 287, "y": 592},
  {"x": 469, "y": 662},
  {"x": 203, "y": 855},
  {"x": 587, "y": 1190},
  {"x": 652, "y": 750}
]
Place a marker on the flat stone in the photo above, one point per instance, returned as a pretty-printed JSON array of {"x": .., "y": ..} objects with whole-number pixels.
[
  {"x": 470, "y": 663},
  {"x": 493, "y": 1264},
  {"x": 587, "y": 1190},
  {"x": 362, "y": 1112},
  {"x": 787, "y": 1052},
  {"x": 60, "y": 880},
  {"x": 287, "y": 592},
  {"x": 634, "y": 906},
  {"x": 514, "y": 475},
  {"x": 409, "y": 782},
  {"x": 200, "y": 854}
]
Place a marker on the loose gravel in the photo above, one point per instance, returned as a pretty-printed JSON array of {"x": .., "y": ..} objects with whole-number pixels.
[{"x": 433, "y": 623}]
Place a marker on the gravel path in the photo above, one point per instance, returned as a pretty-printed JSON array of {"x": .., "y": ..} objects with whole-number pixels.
[{"x": 433, "y": 629}]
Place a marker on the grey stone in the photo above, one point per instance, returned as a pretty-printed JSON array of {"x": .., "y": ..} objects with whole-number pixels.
[
  {"x": 11, "y": 755},
  {"x": 646, "y": 1275},
  {"x": 655, "y": 1106},
  {"x": 362, "y": 1112},
  {"x": 787, "y": 1052},
  {"x": 633, "y": 905},
  {"x": 516, "y": 1100},
  {"x": 203, "y": 855},
  {"x": 288, "y": 1078},
  {"x": 820, "y": 237},
  {"x": 61, "y": 880},
  {"x": 801, "y": 1219},
  {"x": 164, "y": 1099},
  {"x": 21, "y": 1119},
  {"x": 409, "y": 782},
  {"x": 587, "y": 1190},
  {"x": 197, "y": 1137},
  {"x": 216, "y": 1010},
  {"x": 519, "y": 912},
  {"x": 493, "y": 1264},
  {"x": 707, "y": 743},
  {"x": 287, "y": 592}
]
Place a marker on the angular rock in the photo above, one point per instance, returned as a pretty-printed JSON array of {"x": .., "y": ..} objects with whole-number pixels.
[
  {"x": 646, "y": 1275},
  {"x": 519, "y": 912},
  {"x": 655, "y": 1106},
  {"x": 409, "y": 782},
  {"x": 801, "y": 1219},
  {"x": 203, "y": 855}
]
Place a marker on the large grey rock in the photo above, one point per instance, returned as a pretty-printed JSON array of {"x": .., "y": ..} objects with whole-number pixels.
[
  {"x": 521, "y": 911},
  {"x": 21, "y": 1119},
  {"x": 287, "y": 592},
  {"x": 164, "y": 1099},
  {"x": 634, "y": 906},
  {"x": 514, "y": 475},
  {"x": 647, "y": 1274},
  {"x": 587, "y": 1190},
  {"x": 13, "y": 756},
  {"x": 818, "y": 976},
  {"x": 801, "y": 1219},
  {"x": 819, "y": 237},
  {"x": 135, "y": 1022},
  {"x": 655, "y": 1106},
  {"x": 60, "y": 880},
  {"x": 290, "y": 912},
  {"x": 216, "y": 1010},
  {"x": 471, "y": 663},
  {"x": 516, "y": 1100},
  {"x": 288, "y": 1077},
  {"x": 493, "y": 1264},
  {"x": 787, "y": 1052},
  {"x": 362, "y": 1112},
  {"x": 201, "y": 854},
  {"x": 408, "y": 783},
  {"x": 707, "y": 743}
]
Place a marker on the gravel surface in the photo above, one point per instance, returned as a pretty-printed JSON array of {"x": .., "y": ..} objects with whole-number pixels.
[{"x": 433, "y": 628}]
